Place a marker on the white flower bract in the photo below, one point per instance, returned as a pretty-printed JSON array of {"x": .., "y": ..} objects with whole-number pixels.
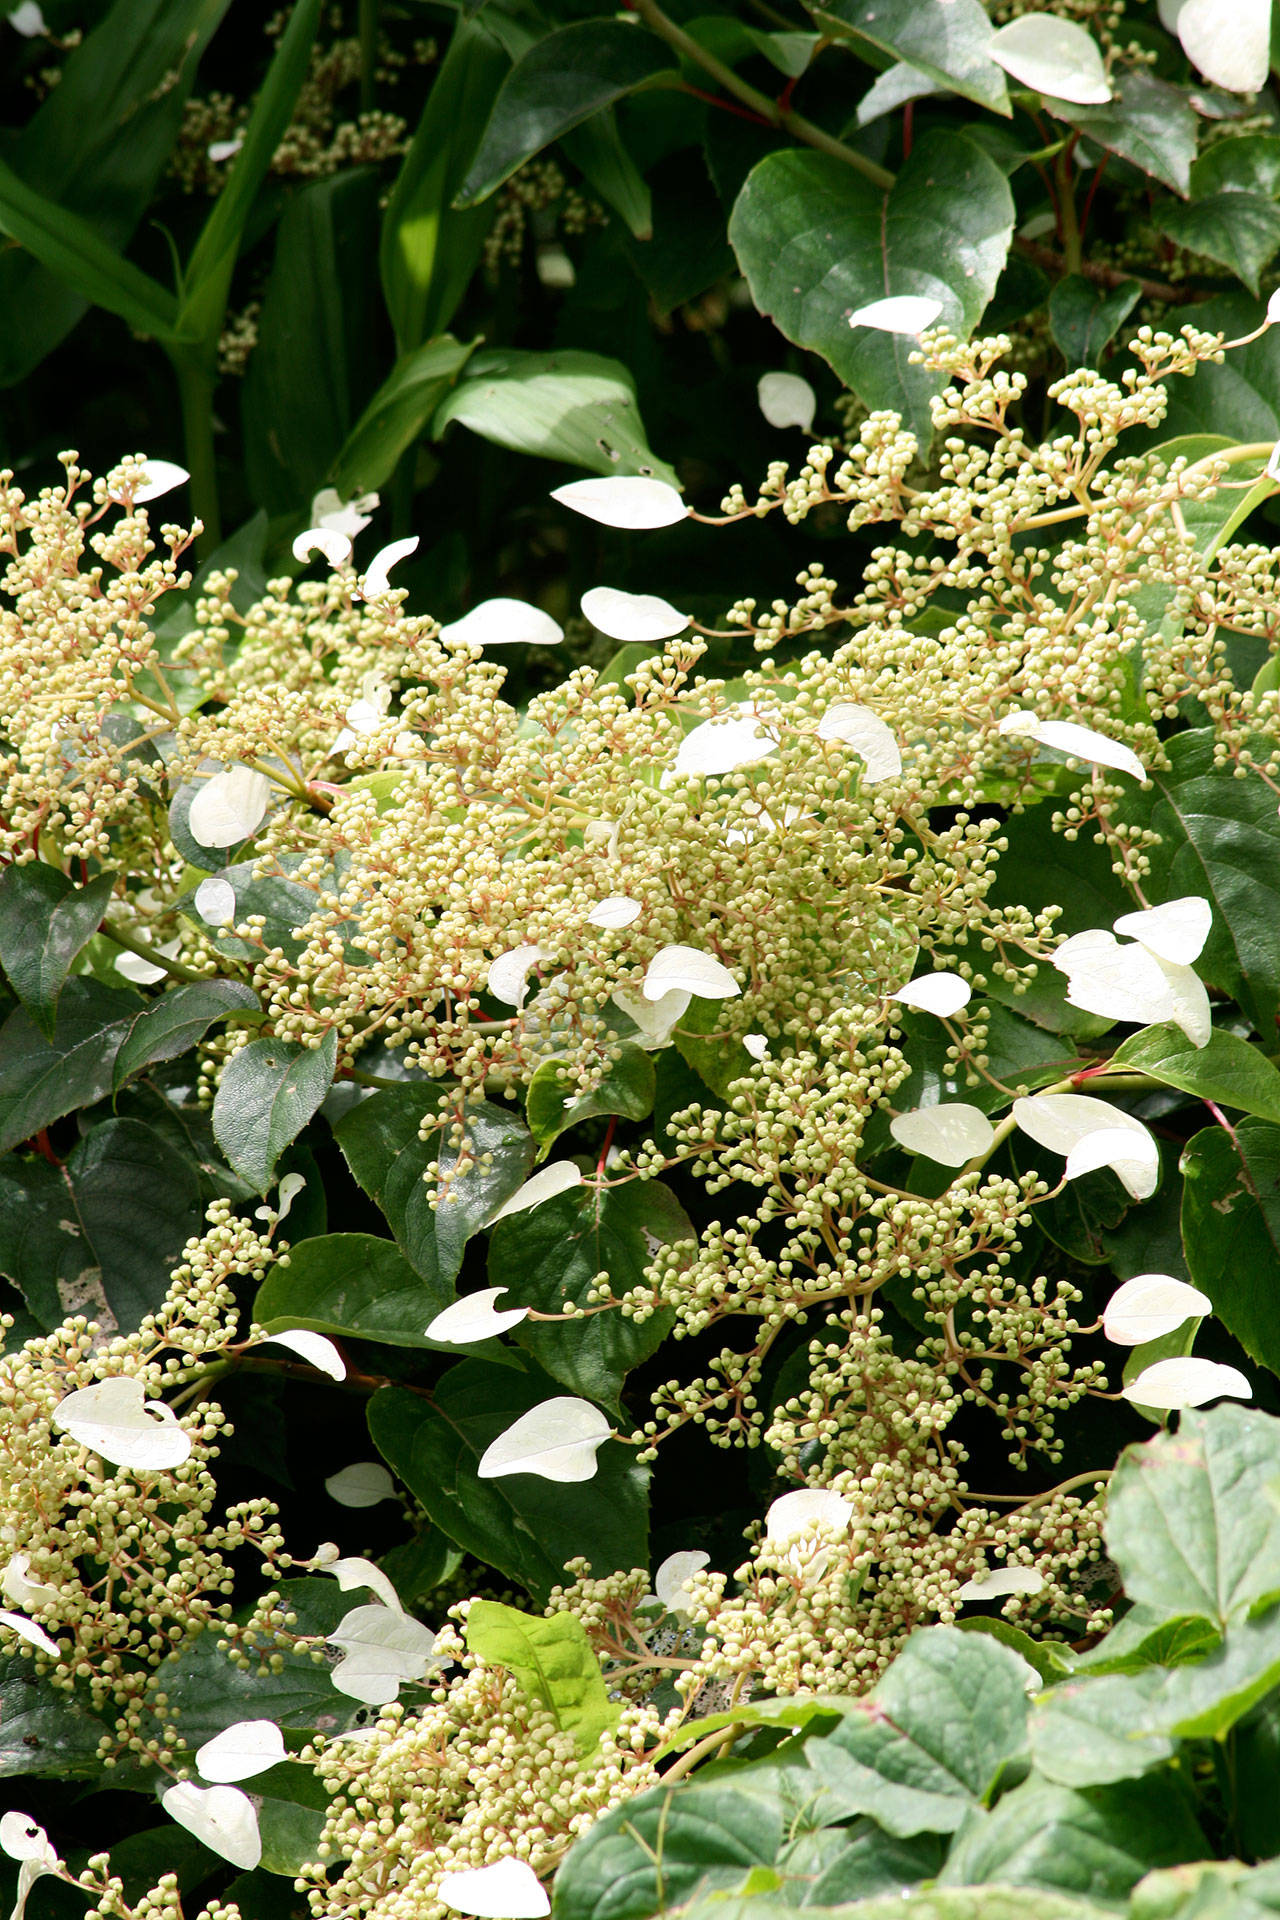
[
  {"x": 722, "y": 745},
  {"x": 376, "y": 581},
  {"x": 315, "y": 1348},
  {"x": 899, "y": 313},
  {"x": 940, "y": 993},
  {"x": 670, "y": 1582},
  {"x": 1170, "y": 1384},
  {"x": 952, "y": 1133},
  {"x": 381, "y": 1650},
  {"x": 1069, "y": 737},
  {"x": 1052, "y": 56},
  {"x": 786, "y": 400},
  {"x": 1149, "y": 1306},
  {"x": 997, "y": 1583},
  {"x": 540, "y": 1186},
  {"x": 1064, "y": 1122},
  {"x": 503, "y": 623},
  {"x": 1228, "y": 40},
  {"x": 505, "y": 1890},
  {"x": 621, "y": 500},
  {"x": 240, "y": 1751},
  {"x": 867, "y": 734},
  {"x": 223, "y": 1818},
  {"x": 632, "y": 616},
  {"x": 335, "y": 546},
  {"x": 476, "y": 1316},
  {"x": 688, "y": 970},
  {"x": 365, "y": 1483},
  {"x": 216, "y": 902},
  {"x": 114, "y": 1418},
  {"x": 557, "y": 1440},
  {"x": 229, "y": 807}
]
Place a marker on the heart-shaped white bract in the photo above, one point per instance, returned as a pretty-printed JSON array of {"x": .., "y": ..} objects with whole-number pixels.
[
  {"x": 1067, "y": 736},
  {"x": 363, "y": 1484},
  {"x": 314, "y": 1348},
  {"x": 115, "y": 1419},
  {"x": 376, "y": 581},
  {"x": 1064, "y": 1122},
  {"x": 23, "y": 1840},
  {"x": 864, "y": 731},
  {"x": 216, "y": 902},
  {"x": 382, "y": 1649},
  {"x": 687, "y": 970},
  {"x": 356, "y": 1572},
  {"x": 507, "y": 1890},
  {"x": 786, "y": 400},
  {"x": 17, "y": 1586},
  {"x": 997, "y": 1583},
  {"x": 952, "y": 1133},
  {"x": 940, "y": 993},
  {"x": 632, "y": 616},
  {"x": 1149, "y": 1306},
  {"x": 139, "y": 970},
  {"x": 28, "y": 20},
  {"x": 732, "y": 740},
  {"x": 556, "y": 1178},
  {"x": 622, "y": 500},
  {"x": 330, "y": 511},
  {"x": 795, "y": 1513},
  {"x": 335, "y": 546},
  {"x": 162, "y": 476},
  {"x": 31, "y": 1632},
  {"x": 756, "y": 1044},
  {"x": 508, "y": 978},
  {"x": 229, "y": 807},
  {"x": 616, "y": 910},
  {"x": 1128, "y": 982},
  {"x": 1051, "y": 56},
  {"x": 1228, "y": 40},
  {"x": 503, "y": 623},
  {"x": 669, "y": 1582},
  {"x": 656, "y": 1019},
  {"x": 476, "y": 1316},
  {"x": 240, "y": 1752},
  {"x": 557, "y": 1441},
  {"x": 1175, "y": 932},
  {"x": 899, "y": 313},
  {"x": 1172, "y": 1384},
  {"x": 221, "y": 1818}
]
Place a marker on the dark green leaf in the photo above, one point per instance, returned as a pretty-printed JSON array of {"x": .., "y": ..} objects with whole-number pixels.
[
  {"x": 41, "y": 1079},
  {"x": 45, "y": 921},
  {"x": 175, "y": 1021},
  {"x": 72, "y": 251},
  {"x": 1232, "y": 217},
  {"x": 429, "y": 251},
  {"x": 597, "y": 151},
  {"x": 351, "y": 1283},
  {"x": 816, "y": 240},
  {"x": 1218, "y": 838},
  {"x": 524, "y": 1526},
  {"x": 932, "y": 1737},
  {"x": 1149, "y": 123},
  {"x": 269, "y": 1091},
  {"x": 1231, "y": 1230},
  {"x": 717, "y": 1057},
  {"x": 1084, "y": 317},
  {"x": 1227, "y": 1070},
  {"x": 1239, "y": 400},
  {"x": 42, "y": 1251},
  {"x": 137, "y": 1201},
  {"x": 43, "y": 1731},
  {"x": 947, "y": 39},
  {"x": 553, "y": 1663},
  {"x": 560, "y": 82},
  {"x": 550, "y": 1256},
  {"x": 291, "y": 1817},
  {"x": 399, "y": 411},
  {"x": 380, "y": 1139},
  {"x": 570, "y": 406},
  {"x": 626, "y": 1089}
]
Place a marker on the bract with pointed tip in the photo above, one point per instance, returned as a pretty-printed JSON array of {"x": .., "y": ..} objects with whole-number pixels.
[
  {"x": 996, "y": 1583},
  {"x": 557, "y": 1440},
  {"x": 503, "y": 623},
  {"x": 1175, "y": 932},
  {"x": 786, "y": 400},
  {"x": 222, "y": 1818},
  {"x": 229, "y": 807},
  {"x": 669, "y": 1582},
  {"x": 476, "y": 1316},
  {"x": 680, "y": 969},
  {"x": 794, "y": 1513},
  {"x": 240, "y": 1751},
  {"x": 1051, "y": 56},
  {"x": 1067, "y": 736},
  {"x": 506, "y": 1890},
  {"x": 622, "y": 500},
  {"x": 1062, "y": 1122},
  {"x": 162, "y": 476},
  {"x": 556, "y": 1178},
  {"x": 940, "y": 993},
  {"x": 115, "y": 1419},
  {"x": 17, "y": 1586},
  {"x": 365, "y": 1483},
  {"x": 31, "y": 1632},
  {"x": 137, "y": 968},
  {"x": 1149, "y": 1306},
  {"x": 657, "y": 1019},
  {"x": 315, "y": 1348},
  {"x": 899, "y": 313},
  {"x": 632, "y": 616},
  {"x": 508, "y": 977},
  {"x": 376, "y": 579},
  {"x": 354, "y": 1571},
  {"x": 868, "y": 735},
  {"x": 952, "y": 1133},
  {"x": 1134, "y": 1161},
  {"x": 1187, "y": 1382},
  {"x": 335, "y": 546}
]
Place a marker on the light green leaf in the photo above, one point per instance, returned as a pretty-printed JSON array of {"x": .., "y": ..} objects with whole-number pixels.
[
  {"x": 1227, "y": 1070},
  {"x": 1091, "y": 1731},
  {"x": 553, "y": 1662},
  {"x": 41, "y": 1079},
  {"x": 381, "y": 1143},
  {"x": 550, "y": 1256},
  {"x": 947, "y": 39},
  {"x": 45, "y": 922},
  {"x": 167, "y": 1026},
  {"x": 1231, "y": 1230},
  {"x": 351, "y": 1283},
  {"x": 570, "y": 406},
  {"x": 816, "y": 240},
  {"x": 524, "y": 1526},
  {"x": 429, "y": 251},
  {"x": 561, "y": 81},
  {"x": 936, "y": 1731},
  {"x": 626, "y": 1089},
  {"x": 269, "y": 1091},
  {"x": 399, "y": 411}
]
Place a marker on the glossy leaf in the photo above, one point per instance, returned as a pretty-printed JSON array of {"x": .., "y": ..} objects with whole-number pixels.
[
  {"x": 269, "y": 1090},
  {"x": 1148, "y": 123},
  {"x": 1085, "y": 317},
  {"x": 524, "y": 1526},
  {"x": 136, "y": 1201},
  {"x": 1231, "y": 1229},
  {"x": 569, "y": 406},
  {"x": 1232, "y": 216},
  {"x": 553, "y": 1663},
  {"x": 816, "y": 240},
  {"x": 351, "y": 1283},
  {"x": 549, "y": 1258},
  {"x": 45, "y": 922},
  {"x": 41, "y": 1079},
  {"x": 626, "y": 1090},
  {"x": 399, "y": 411},
  {"x": 562, "y": 80},
  {"x": 946, "y": 40},
  {"x": 175, "y": 1021},
  {"x": 72, "y": 251},
  {"x": 1228, "y": 1070}
]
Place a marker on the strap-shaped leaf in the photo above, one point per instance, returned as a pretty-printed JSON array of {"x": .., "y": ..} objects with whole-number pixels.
[{"x": 72, "y": 249}]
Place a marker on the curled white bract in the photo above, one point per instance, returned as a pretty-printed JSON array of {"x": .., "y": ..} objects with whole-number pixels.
[
  {"x": 477, "y": 1316},
  {"x": 679, "y": 969},
  {"x": 115, "y": 1419}
]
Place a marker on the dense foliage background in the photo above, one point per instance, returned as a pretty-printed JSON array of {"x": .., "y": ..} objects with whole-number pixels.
[{"x": 681, "y": 968}]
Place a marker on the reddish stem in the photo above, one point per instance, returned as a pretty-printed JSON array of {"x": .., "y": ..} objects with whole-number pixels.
[
  {"x": 40, "y": 1142},
  {"x": 730, "y": 106},
  {"x": 1094, "y": 184},
  {"x": 908, "y": 128},
  {"x": 608, "y": 1142}
]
